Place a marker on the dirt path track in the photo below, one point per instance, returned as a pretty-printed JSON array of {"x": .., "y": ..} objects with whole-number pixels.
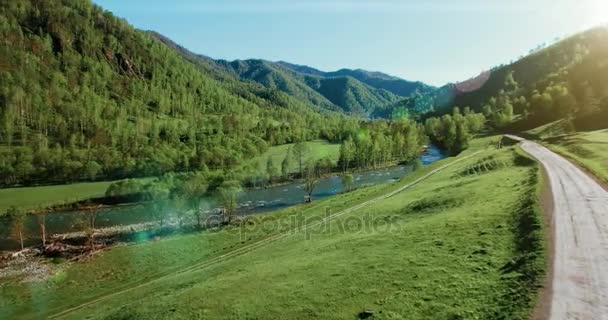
[{"x": 580, "y": 222}]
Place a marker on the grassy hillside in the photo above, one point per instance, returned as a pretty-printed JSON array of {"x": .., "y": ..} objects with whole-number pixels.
[
  {"x": 587, "y": 149},
  {"x": 319, "y": 149},
  {"x": 566, "y": 80},
  {"x": 85, "y": 96},
  {"x": 33, "y": 197},
  {"x": 437, "y": 250}
]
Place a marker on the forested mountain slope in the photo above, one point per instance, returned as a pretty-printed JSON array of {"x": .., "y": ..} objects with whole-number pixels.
[
  {"x": 374, "y": 79},
  {"x": 342, "y": 93},
  {"x": 356, "y": 92},
  {"x": 84, "y": 94},
  {"x": 567, "y": 80}
]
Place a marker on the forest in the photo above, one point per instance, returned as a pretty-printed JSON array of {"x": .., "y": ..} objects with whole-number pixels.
[
  {"x": 565, "y": 80},
  {"x": 85, "y": 96}
]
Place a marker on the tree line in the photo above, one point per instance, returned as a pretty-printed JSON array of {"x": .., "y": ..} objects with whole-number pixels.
[
  {"x": 84, "y": 96},
  {"x": 453, "y": 132}
]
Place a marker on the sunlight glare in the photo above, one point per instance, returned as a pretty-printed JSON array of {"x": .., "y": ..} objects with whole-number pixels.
[{"x": 598, "y": 11}]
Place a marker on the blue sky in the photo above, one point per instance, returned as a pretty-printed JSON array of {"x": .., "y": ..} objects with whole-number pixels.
[{"x": 435, "y": 41}]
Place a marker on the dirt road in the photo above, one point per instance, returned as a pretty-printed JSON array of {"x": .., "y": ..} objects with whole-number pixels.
[{"x": 580, "y": 221}]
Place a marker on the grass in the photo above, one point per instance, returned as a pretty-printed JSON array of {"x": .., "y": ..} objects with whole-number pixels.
[
  {"x": 318, "y": 149},
  {"x": 32, "y": 197},
  {"x": 448, "y": 248},
  {"x": 587, "y": 149}
]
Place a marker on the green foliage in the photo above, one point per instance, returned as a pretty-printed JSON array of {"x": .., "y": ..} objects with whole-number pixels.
[
  {"x": 457, "y": 241},
  {"x": 453, "y": 132},
  {"x": 348, "y": 182},
  {"x": 286, "y": 163},
  {"x": 228, "y": 193},
  {"x": 568, "y": 80},
  {"x": 125, "y": 187},
  {"x": 85, "y": 96},
  {"x": 379, "y": 143},
  {"x": 352, "y": 91},
  {"x": 417, "y": 165}
]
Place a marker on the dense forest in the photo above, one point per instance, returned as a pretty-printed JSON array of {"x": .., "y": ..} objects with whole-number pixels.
[
  {"x": 356, "y": 92},
  {"x": 567, "y": 80},
  {"x": 83, "y": 95},
  {"x": 378, "y": 80}
]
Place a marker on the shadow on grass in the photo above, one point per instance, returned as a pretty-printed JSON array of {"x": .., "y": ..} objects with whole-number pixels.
[{"x": 524, "y": 274}]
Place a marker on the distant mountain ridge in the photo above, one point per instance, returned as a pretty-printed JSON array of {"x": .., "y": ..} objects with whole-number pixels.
[
  {"x": 375, "y": 79},
  {"x": 358, "y": 91}
]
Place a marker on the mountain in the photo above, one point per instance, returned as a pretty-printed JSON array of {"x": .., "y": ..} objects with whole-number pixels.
[
  {"x": 378, "y": 80},
  {"x": 84, "y": 95},
  {"x": 352, "y": 91},
  {"x": 343, "y": 93},
  {"x": 568, "y": 79}
]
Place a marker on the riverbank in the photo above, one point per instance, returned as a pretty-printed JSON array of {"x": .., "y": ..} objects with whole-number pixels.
[
  {"x": 251, "y": 201},
  {"x": 387, "y": 257},
  {"x": 60, "y": 197}
]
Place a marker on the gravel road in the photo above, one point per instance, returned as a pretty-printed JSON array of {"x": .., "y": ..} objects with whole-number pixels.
[{"x": 580, "y": 222}]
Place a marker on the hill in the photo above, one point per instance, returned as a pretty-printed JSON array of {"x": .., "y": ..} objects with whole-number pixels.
[
  {"x": 356, "y": 92},
  {"x": 343, "y": 93},
  {"x": 85, "y": 96},
  {"x": 440, "y": 250},
  {"x": 567, "y": 80},
  {"x": 378, "y": 80}
]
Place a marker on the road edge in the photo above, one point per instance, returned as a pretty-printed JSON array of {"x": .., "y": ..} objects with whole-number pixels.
[{"x": 542, "y": 308}]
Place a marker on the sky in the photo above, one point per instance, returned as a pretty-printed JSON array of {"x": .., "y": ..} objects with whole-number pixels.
[{"x": 434, "y": 41}]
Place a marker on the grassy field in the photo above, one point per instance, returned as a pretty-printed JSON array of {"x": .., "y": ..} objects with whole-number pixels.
[
  {"x": 32, "y": 197},
  {"x": 588, "y": 149},
  {"x": 465, "y": 243},
  {"x": 318, "y": 149}
]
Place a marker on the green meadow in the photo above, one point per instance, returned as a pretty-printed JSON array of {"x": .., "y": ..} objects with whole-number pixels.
[
  {"x": 33, "y": 197},
  {"x": 589, "y": 149},
  {"x": 464, "y": 243},
  {"x": 316, "y": 150}
]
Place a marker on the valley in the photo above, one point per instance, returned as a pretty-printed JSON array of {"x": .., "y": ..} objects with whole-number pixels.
[
  {"x": 465, "y": 239},
  {"x": 141, "y": 178}
]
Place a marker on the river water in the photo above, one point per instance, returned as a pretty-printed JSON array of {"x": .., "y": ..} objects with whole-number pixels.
[{"x": 250, "y": 202}]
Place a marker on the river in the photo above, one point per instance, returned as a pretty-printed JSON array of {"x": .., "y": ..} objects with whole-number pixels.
[{"x": 251, "y": 201}]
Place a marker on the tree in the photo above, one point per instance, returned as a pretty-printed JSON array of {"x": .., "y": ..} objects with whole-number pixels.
[
  {"x": 192, "y": 189},
  {"x": 299, "y": 151},
  {"x": 347, "y": 153},
  {"x": 271, "y": 170},
  {"x": 311, "y": 178},
  {"x": 88, "y": 221},
  {"x": 348, "y": 182},
  {"x": 181, "y": 205},
  {"x": 461, "y": 140},
  {"x": 41, "y": 215},
  {"x": 411, "y": 144},
  {"x": 286, "y": 164},
  {"x": 92, "y": 170},
  {"x": 228, "y": 193},
  {"x": 18, "y": 225}
]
